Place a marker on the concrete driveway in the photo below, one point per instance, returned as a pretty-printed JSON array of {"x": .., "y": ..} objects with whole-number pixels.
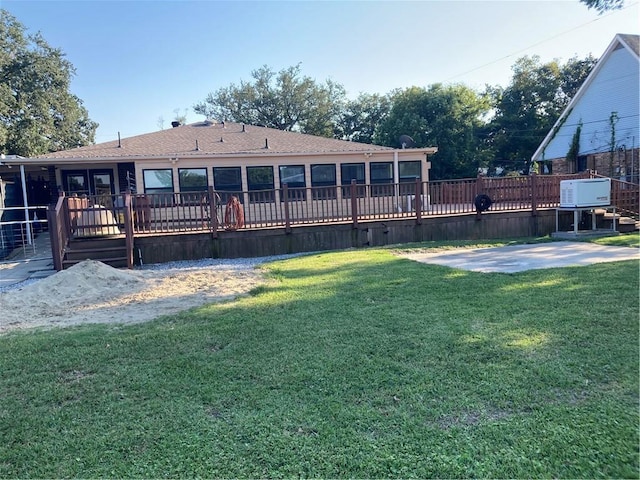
[
  {"x": 517, "y": 258},
  {"x": 12, "y": 273},
  {"x": 32, "y": 262}
]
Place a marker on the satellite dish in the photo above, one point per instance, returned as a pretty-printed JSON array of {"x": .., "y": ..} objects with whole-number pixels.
[{"x": 406, "y": 141}]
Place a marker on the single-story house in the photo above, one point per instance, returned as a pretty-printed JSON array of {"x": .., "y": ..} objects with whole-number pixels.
[
  {"x": 600, "y": 128},
  {"x": 230, "y": 157}
]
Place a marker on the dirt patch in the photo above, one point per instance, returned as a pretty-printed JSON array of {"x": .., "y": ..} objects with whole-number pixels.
[
  {"x": 92, "y": 292},
  {"x": 471, "y": 419}
]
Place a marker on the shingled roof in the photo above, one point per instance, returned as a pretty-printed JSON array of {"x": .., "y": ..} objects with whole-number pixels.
[
  {"x": 213, "y": 139},
  {"x": 632, "y": 41}
]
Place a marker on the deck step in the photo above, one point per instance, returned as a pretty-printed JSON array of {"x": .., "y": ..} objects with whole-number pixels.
[
  {"x": 103, "y": 260},
  {"x": 109, "y": 250},
  {"x": 623, "y": 224},
  {"x": 94, "y": 250},
  {"x": 627, "y": 225},
  {"x": 115, "y": 262}
]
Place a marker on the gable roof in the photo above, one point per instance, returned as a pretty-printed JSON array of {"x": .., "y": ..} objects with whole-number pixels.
[
  {"x": 207, "y": 139},
  {"x": 631, "y": 43}
]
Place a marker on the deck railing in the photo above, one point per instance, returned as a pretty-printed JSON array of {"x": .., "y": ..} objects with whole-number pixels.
[
  {"x": 172, "y": 212},
  {"x": 626, "y": 197},
  {"x": 19, "y": 227},
  {"x": 287, "y": 207},
  {"x": 83, "y": 217}
]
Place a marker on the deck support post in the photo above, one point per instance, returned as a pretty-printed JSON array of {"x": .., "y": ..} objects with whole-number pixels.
[
  {"x": 534, "y": 194},
  {"x": 213, "y": 213},
  {"x": 53, "y": 221},
  {"x": 354, "y": 204},
  {"x": 418, "y": 201},
  {"x": 287, "y": 217},
  {"x": 128, "y": 227}
]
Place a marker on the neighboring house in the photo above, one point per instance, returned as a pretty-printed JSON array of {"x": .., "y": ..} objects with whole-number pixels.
[
  {"x": 229, "y": 157},
  {"x": 599, "y": 130}
]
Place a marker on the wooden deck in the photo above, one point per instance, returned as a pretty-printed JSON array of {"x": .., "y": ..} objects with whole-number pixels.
[{"x": 203, "y": 212}]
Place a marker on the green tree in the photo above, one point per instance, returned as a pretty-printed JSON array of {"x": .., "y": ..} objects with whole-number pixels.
[
  {"x": 529, "y": 106},
  {"x": 360, "y": 117},
  {"x": 38, "y": 113},
  {"x": 448, "y": 117},
  {"x": 573, "y": 74},
  {"x": 285, "y": 100},
  {"x": 603, "y": 5}
]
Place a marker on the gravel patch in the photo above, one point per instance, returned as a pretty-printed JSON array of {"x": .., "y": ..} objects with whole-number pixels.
[{"x": 226, "y": 263}]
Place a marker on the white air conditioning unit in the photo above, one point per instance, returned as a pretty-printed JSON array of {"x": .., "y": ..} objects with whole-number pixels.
[
  {"x": 411, "y": 203},
  {"x": 587, "y": 192}
]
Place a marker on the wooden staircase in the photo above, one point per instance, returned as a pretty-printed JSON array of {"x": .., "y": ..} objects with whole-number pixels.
[
  {"x": 111, "y": 250},
  {"x": 624, "y": 224}
]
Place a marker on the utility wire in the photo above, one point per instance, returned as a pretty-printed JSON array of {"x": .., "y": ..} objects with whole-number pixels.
[
  {"x": 522, "y": 132},
  {"x": 538, "y": 43}
]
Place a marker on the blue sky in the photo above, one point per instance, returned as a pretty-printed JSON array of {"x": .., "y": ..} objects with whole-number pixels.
[{"x": 137, "y": 61}]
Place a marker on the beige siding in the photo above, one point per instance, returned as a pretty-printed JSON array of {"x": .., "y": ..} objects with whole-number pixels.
[{"x": 275, "y": 162}]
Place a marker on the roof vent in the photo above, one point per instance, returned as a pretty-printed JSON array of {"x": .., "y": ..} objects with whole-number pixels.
[
  {"x": 197, "y": 146},
  {"x": 243, "y": 129},
  {"x": 175, "y": 124},
  {"x": 266, "y": 143},
  {"x": 221, "y": 140}
]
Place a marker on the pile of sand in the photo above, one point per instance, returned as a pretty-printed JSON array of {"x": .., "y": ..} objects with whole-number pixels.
[{"x": 92, "y": 292}]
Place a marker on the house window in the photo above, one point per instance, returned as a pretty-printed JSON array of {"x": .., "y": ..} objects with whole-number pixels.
[
  {"x": 352, "y": 171},
  {"x": 158, "y": 181},
  {"x": 97, "y": 182},
  {"x": 581, "y": 163},
  {"x": 77, "y": 184},
  {"x": 260, "y": 184},
  {"x": 192, "y": 179},
  {"x": 323, "y": 179},
  {"x": 293, "y": 176},
  {"x": 381, "y": 173},
  {"x": 227, "y": 182},
  {"x": 408, "y": 173}
]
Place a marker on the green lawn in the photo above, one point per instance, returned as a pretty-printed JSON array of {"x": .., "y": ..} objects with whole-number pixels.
[{"x": 348, "y": 364}]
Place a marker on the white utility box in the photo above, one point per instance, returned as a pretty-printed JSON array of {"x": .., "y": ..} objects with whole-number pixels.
[{"x": 586, "y": 192}]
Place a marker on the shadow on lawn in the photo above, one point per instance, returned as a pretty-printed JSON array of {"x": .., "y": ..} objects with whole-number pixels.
[{"x": 356, "y": 364}]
